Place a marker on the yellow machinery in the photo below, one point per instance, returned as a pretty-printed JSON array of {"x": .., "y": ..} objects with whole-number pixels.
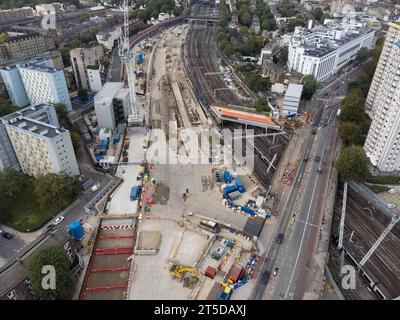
[{"x": 178, "y": 271}]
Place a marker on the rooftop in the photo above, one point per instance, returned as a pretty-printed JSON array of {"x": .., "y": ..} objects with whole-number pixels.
[
  {"x": 108, "y": 91},
  {"x": 294, "y": 90}
]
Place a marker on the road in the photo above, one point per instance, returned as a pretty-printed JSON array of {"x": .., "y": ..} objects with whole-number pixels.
[{"x": 301, "y": 208}]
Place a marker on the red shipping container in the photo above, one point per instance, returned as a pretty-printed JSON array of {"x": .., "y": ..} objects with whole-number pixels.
[
  {"x": 235, "y": 273},
  {"x": 210, "y": 272}
]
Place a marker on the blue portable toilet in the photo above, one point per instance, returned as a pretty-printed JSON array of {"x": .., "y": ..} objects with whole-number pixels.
[
  {"x": 227, "y": 176},
  {"x": 140, "y": 58},
  {"x": 76, "y": 230}
]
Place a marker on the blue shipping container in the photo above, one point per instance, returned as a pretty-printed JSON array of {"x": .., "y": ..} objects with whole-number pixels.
[
  {"x": 239, "y": 183},
  {"x": 117, "y": 137},
  {"x": 230, "y": 189},
  {"x": 135, "y": 192}
]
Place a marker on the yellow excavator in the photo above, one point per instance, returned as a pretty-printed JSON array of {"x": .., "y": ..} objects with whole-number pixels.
[{"x": 177, "y": 271}]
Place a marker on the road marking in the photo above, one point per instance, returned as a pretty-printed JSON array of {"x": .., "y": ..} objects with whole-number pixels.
[
  {"x": 310, "y": 224},
  {"x": 302, "y": 238}
]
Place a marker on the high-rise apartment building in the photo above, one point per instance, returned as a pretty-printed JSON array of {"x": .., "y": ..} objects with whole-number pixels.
[
  {"x": 81, "y": 59},
  {"x": 382, "y": 145},
  {"x": 34, "y": 142}
]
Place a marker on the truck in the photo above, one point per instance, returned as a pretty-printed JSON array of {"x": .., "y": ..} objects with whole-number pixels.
[
  {"x": 227, "y": 176},
  {"x": 239, "y": 184},
  {"x": 229, "y": 189}
]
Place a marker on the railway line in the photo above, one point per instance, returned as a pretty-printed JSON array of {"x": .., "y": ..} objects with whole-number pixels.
[{"x": 366, "y": 222}]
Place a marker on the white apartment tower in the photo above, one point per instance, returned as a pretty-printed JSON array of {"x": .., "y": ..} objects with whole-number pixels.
[
  {"x": 36, "y": 144},
  {"x": 382, "y": 145}
]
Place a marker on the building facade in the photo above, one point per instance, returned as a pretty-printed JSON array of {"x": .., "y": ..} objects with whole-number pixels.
[
  {"x": 322, "y": 51},
  {"x": 16, "y": 15},
  {"x": 291, "y": 101},
  {"x": 45, "y": 85},
  {"x": 111, "y": 104},
  {"x": 382, "y": 145},
  {"x": 81, "y": 59},
  {"x": 39, "y": 145},
  {"x": 25, "y": 45}
]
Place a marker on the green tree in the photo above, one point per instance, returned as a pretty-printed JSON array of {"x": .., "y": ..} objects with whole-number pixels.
[
  {"x": 84, "y": 17},
  {"x": 76, "y": 140},
  {"x": 262, "y": 105},
  {"x": 350, "y": 133},
  {"x": 50, "y": 256},
  {"x": 309, "y": 86},
  {"x": 62, "y": 115},
  {"x": 363, "y": 54},
  {"x": 318, "y": 14},
  {"x": 59, "y": 189},
  {"x": 352, "y": 164},
  {"x": 353, "y": 107}
]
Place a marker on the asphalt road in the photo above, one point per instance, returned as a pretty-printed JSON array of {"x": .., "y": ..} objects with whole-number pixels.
[{"x": 294, "y": 256}]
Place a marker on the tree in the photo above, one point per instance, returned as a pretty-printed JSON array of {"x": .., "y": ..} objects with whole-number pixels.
[
  {"x": 353, "y": 107},
  {"x": 76, "y": 140},
  {"x": 62, "y": 115},
  {"x": 84, "y": 17},
  {"x": 59, "y": 189},
  {"x": 352, "y": 164},
  {"x": 262, "y": 105},
  {"x": 309, "y": 86},
  {"x": 350, "y": 133},
  {"x": 57, "y": 258},
  {"x": 318, "y": 14},
  {"x": 83, "y": 95},
  {"x": 363, "y": 54}
]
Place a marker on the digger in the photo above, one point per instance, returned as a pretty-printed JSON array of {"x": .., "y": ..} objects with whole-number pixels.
[{"x": 177, "y": 271}]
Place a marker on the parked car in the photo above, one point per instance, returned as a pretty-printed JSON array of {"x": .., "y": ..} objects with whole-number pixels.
[
  {"x": 58, "y": 220},
  {"x": 95, "y": 188},
  {"x": 392, "y": 190},
  {"x": 391, "y": 205},
  {"x": 280, "y": 237},
  {"x": 6, "y": 235},
  {"x": 317, "y": 158},
  {"x": 276, "y": 270}
]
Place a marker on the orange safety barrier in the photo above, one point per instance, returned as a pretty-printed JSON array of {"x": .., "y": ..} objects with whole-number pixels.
[
  {"x": 106, "y": 288},
  {"x": 108, "y": 269},
  {"x": 116, "y": 237},
  {"x": 111, "y": 249},
  {"x": 114, "y": 252}
]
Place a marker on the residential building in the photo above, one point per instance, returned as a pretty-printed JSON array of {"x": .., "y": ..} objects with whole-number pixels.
[
  {"x": 382, "y": 145},
  {"x": 13, "y": 81},
  {"x": 25, "y": 45},
  {"x": 111, "y": 105},
  {"x": 49, "y": 8},
  {"x": 81, "y": 59},
  {"x": 40, "y": 145},
  {"x": 96, "y": 76},
  {"x": 45, "y": 85},
  {"x": 323, "y": 50},
  {"x": 108, "y": 38},
  {"x": 291, "y": 101},
  {"x": 16, "y": 15}
]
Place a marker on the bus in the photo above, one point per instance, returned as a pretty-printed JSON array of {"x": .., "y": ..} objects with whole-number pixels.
[{"x": 210, "y": 226}]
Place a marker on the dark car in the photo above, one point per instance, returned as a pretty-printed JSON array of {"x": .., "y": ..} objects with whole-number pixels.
[
  {"x": 279, "y": 239},
  {"x": 317, "y": 158},
  {"x": 6, "y": 235},
  {"x": 313, "y": 131},
  {"x": 265, "y": 277}
]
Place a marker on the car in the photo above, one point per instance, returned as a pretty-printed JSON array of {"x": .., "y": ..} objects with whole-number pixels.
[
  {"x": 276, "y": 270},
  {"x": 6, "y": 235},
  {"x": 392, "y": 190},
  {"x": 279, "y": 239},
  {"x": 391, "y": 205},
  {"x": 317, "y": 158},
  {"x": 265, "y": 277},
  {"x": 313, "y": 131},
  {"x": 95, "y": 188},
  {"x": 58, "y": 220},
  {"x": 50, "y": 226}
]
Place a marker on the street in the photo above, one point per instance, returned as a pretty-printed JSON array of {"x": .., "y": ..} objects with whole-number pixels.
[{"x": 301, "y": 208}]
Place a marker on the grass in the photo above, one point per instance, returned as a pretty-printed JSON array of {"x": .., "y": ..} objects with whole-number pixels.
[
  {"x": 384, "y": 179},
  {"x": 26, "y": 215},
  {"x": 378, "y": 188}
]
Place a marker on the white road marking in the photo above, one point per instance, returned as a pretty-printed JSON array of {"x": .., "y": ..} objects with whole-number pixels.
[{"x": 302, "y": 238}]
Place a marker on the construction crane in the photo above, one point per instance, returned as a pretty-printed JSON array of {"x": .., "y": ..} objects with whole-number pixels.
[
  {"x": 133, "y": 118},
  {"x": 177, "y": 271}
]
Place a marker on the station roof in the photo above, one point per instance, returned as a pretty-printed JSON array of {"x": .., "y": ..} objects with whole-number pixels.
[{"x": 244, "y": 116}]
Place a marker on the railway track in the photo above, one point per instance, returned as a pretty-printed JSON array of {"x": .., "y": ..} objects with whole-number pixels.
[{"x": 384, "y": 264}]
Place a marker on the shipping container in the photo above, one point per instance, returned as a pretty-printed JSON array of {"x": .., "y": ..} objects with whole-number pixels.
[
  {"x": 235, "y": 273},
  {"x": 239, "y": 183},
  {"x": 211, "y": 272},
  {"x": 230, "y": 189},
  {"x": 227, "y": 177}
]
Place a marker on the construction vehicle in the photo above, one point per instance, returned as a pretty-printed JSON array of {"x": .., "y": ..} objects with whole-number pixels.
[{"x": 177, "y": 271}]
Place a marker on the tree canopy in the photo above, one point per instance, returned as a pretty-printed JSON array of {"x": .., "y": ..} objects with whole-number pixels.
[
  {"x": 309, "y": 86},
  {"x": 350, "y": 133},
  {"x": 353, "y": 107},
  {"x": 51, "y": 256},
  {"x": 352, "y": 164},
  {"x": 58, "y": 189}
]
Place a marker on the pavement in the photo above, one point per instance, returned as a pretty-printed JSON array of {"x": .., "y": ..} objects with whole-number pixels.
[{"x": 306, "y": 199}]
